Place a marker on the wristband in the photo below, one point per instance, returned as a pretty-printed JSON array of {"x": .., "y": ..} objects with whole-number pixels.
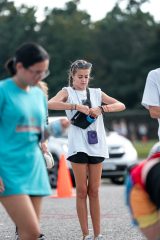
[
  {"x": 73, "y": 107},
  {"x": 102, "y": 110}
]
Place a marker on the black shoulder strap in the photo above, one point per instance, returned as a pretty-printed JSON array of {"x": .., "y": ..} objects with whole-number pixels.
[
  {"x": 87, "y": 102},
  {"x": 88, "y": 98}
]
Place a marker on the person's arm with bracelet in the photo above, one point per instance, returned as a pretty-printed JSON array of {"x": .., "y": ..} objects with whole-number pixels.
[
  {"x": 109, "y": 104},
  {"x": 58, "y": 102}
]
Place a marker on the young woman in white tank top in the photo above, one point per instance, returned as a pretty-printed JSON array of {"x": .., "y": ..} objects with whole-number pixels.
[{"x": 87, "y": 147}]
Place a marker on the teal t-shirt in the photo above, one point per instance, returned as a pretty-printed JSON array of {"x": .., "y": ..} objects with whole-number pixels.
[{"x": 22, "y": 117}]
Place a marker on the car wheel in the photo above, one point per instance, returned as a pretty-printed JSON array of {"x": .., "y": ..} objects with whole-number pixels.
[
  {"x": 53, "y": 173},
  {"x": 118, "y": 180}
]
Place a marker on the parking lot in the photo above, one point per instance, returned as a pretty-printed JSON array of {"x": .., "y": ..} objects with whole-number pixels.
[{"x": 59, "y": 219}]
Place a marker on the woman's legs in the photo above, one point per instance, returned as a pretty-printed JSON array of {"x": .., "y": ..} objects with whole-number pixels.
[
  {"x": 37, "y": 202},
  {"x": 80, "y": 173},
  {"x": 22, "y": 212},
  {"x": 94, "y": 179}
]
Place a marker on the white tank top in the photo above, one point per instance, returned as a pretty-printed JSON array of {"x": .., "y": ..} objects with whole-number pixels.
[{"x": 77, "y": 137}]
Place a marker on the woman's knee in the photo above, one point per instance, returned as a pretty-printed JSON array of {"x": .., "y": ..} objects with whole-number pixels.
[
  {"x": 93, "y": 193},
  {"x": 82, "y": 192}
]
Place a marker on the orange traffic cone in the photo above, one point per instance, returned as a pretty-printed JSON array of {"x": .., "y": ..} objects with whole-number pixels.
[{"x": 64, "y": 181}]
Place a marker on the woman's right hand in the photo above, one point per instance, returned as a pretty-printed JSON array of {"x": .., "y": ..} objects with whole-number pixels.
[
  {"x": 82, "y": 108},
  {"x": 1, "y": 185}
]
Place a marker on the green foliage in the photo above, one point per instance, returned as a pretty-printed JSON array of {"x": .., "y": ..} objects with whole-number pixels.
[
  {"x": 16, "y": 27},
  {"x": 121, "y": 41},
  {"x": 65, "y": 35},
  {"x": 143, "y": 148},
  {"x": 123, "y": 46}
]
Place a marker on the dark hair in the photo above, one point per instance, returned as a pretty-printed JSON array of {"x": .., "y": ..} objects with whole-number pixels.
[
  {"x": 78, "y": 64},
  {"x": 28, "y": 54}
]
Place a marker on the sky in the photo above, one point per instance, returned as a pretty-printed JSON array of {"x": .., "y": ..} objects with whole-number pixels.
[{"x": 97, "y": 9}]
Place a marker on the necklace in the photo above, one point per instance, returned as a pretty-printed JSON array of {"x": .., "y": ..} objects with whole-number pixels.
[{"x": 83, "y": 94}]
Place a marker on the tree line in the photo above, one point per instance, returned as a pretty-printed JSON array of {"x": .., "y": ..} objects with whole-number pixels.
[{"x": 122, "y": 47}]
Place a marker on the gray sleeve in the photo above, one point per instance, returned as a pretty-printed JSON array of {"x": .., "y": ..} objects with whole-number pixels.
[{"x": 151, "y": 95}]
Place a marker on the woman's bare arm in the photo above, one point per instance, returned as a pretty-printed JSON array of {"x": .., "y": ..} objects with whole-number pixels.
[
  {"x": 112, "y": 104},
  {"x": 58, "y": 102}
]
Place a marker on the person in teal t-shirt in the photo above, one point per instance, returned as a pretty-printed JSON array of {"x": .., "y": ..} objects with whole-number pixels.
[{"x": 23, "y": 106}]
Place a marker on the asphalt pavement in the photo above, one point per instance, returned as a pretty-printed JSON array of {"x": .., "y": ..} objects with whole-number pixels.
[{"x": 59, "y": 219}]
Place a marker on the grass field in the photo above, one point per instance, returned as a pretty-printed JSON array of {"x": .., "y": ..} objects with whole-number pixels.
[{"x": 143, "y": 148}]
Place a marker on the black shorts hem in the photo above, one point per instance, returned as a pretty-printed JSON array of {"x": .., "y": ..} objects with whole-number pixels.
[{"x": 84, "y": 158}]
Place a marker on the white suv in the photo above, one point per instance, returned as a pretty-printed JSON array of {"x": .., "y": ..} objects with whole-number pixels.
[{"x": 122, "y": 154}]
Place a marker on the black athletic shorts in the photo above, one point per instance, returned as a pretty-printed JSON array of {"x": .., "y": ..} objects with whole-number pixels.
[{"x": 82, "y": 157}]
